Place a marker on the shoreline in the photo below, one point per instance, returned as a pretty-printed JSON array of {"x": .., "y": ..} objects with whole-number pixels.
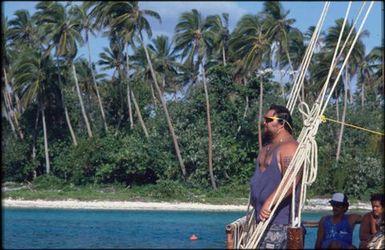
[{"x": 310, "y": 205}]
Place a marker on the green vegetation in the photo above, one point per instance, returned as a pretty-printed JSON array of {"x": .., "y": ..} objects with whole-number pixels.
[
  {"x": 144, "y": 133},
  {"x": 53, "y": 188}
]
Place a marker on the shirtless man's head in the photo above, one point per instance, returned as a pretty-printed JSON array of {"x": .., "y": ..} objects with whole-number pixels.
[
  {"x": 377, "y": 201},
  {"x": 276, "y": 120}
]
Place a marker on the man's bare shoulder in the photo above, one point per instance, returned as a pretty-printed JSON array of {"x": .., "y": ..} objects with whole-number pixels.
[{"x": 289, "y": 147}]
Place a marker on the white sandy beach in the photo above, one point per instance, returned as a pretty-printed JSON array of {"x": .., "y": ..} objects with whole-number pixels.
[{"x": 310, "y": 205}]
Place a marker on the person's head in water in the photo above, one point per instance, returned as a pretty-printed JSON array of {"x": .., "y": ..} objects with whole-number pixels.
[{"x": 276, "y": 118}]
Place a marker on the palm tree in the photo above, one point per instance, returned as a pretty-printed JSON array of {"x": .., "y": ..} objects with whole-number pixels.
[
  {"x": 220, "y": 27},
  {"x": 39, "y": 17},
  {"x": 370, "y": 72},
  {"x": 8, "y": 111},
  {"x": 22, "y": 30},
  {"x": 22, "y": 33},
  {"x": 355, "y": 58},
  {"x": 110, "y": 59},
  {"x": 139, "y": 114},
  {"x": 30, "y": 81},
  {"x": 113, "y": 58},
  {"x": 80, "y": 13},
  {"x": 278, "y": 27},
  {"x": 251, "y": 46},
  {"x": 193, "y": 38},
  {"x": 116, "y": 17},
  {"x": 142, "y": 69},
  {"x": 365, "y": 74},
  {"x": 63, "y": 32},
  {"x": 86, "y": 81},
  {"x": 297, "y": 49},
  {"x": 164, "y": 58},
  {"x": 135, "y": 19},
  {"x": 357, "y": 54},
  {"x": 18, "y": 26},
  {"x": 313, "y": 85}
]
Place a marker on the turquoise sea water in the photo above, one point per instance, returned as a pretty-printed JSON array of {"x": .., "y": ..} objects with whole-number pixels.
[{"x": 92, "y": 229}]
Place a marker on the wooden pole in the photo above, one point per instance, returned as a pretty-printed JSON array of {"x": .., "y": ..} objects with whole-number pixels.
[
  {"x": 230, "y": 237},
  {"x": 295, "y": 238}
]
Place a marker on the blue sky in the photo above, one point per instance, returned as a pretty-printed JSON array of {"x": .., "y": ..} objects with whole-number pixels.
[{"x": 306, "y": 14}]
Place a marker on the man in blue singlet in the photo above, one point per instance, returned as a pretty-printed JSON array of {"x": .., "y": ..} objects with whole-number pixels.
[
  {"x": 272, "y": 162},
  {"x": 336, "y": 231}
]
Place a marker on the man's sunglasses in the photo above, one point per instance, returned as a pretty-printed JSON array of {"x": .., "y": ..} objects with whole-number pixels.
[
  {"x": 338, "y": 205},
  {"x": 269, "y": 119}
]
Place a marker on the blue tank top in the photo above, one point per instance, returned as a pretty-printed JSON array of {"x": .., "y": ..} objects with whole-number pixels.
[
  {"x": 341, "y": 231},
  {"x": 262, "y": 184}
]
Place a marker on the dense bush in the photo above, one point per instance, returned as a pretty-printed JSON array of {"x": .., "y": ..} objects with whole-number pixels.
[{"x": 15, "y": 160}]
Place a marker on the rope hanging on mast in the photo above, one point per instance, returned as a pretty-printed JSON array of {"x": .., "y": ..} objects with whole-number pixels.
[{"x": 305, "y": 157}]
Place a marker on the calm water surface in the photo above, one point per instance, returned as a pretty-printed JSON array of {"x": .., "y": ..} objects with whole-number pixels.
[{"x": 69, "y": 228}]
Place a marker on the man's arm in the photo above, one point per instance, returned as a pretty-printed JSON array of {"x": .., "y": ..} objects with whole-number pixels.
[
  {"x": 354, "y": 219},
  {"x": 320, "y": 233},
  {"x": 365, "y": 228},
  {"x": 284, "y": 159}
]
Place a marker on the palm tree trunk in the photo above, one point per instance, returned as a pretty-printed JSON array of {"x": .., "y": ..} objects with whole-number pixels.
[
  {"x": 224, "y": 55},
  {"x": 18, "y": 106},
  {"x": 65, "y": 106},
  {"x": 139, "y": 114},
  {"x": 9, "y": 119},
  {"x": 337, "y": 108},
  {"x": 18, "y": 128},
  {"x": 7, "y": 102},
  {"x": 260, "y": 143},
  {"x": 11, "y": 111},
  {"x": 210, "y": 143},
  {"x": 342, "y": 126},
  {"x": 246, "y": 105},
  {"x": 96, "y": 87},
  {"x": 289, "y": 59},
  {"x": 121, "y": 116},
  {"x": 153, "y": 95},
  {"x": 163, "y": 83},
  {"x": 120, "y": 91},
  {"x": 281, "y": 83},
  {"x": 363, "y": 95},
  {"x": 75, "y": 142},
  {"x": 350, "y": 91},
  {"x": 342, "y": 118},
  {"x": 164, "y": 105},
  {"x": 129, "y": 106},
  {"x": 81, "y": 101},
  {"x": 128, "y": 92},
  {"x": 47, "y": 166},
  {"x": 7, "y": 111},
  {"x": 33, "y": 155}
]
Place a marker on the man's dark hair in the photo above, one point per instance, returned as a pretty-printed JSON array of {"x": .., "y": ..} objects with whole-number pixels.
[
  {"x": 378, "y": 197},
  {"x": 284, "y": 114}
]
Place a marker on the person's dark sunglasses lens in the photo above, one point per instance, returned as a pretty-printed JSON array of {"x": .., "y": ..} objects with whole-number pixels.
[{"x": 268, "y": 119}]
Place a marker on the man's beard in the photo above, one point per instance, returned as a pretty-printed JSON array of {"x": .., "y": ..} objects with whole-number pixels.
[{"x": 267, "y": 137}]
